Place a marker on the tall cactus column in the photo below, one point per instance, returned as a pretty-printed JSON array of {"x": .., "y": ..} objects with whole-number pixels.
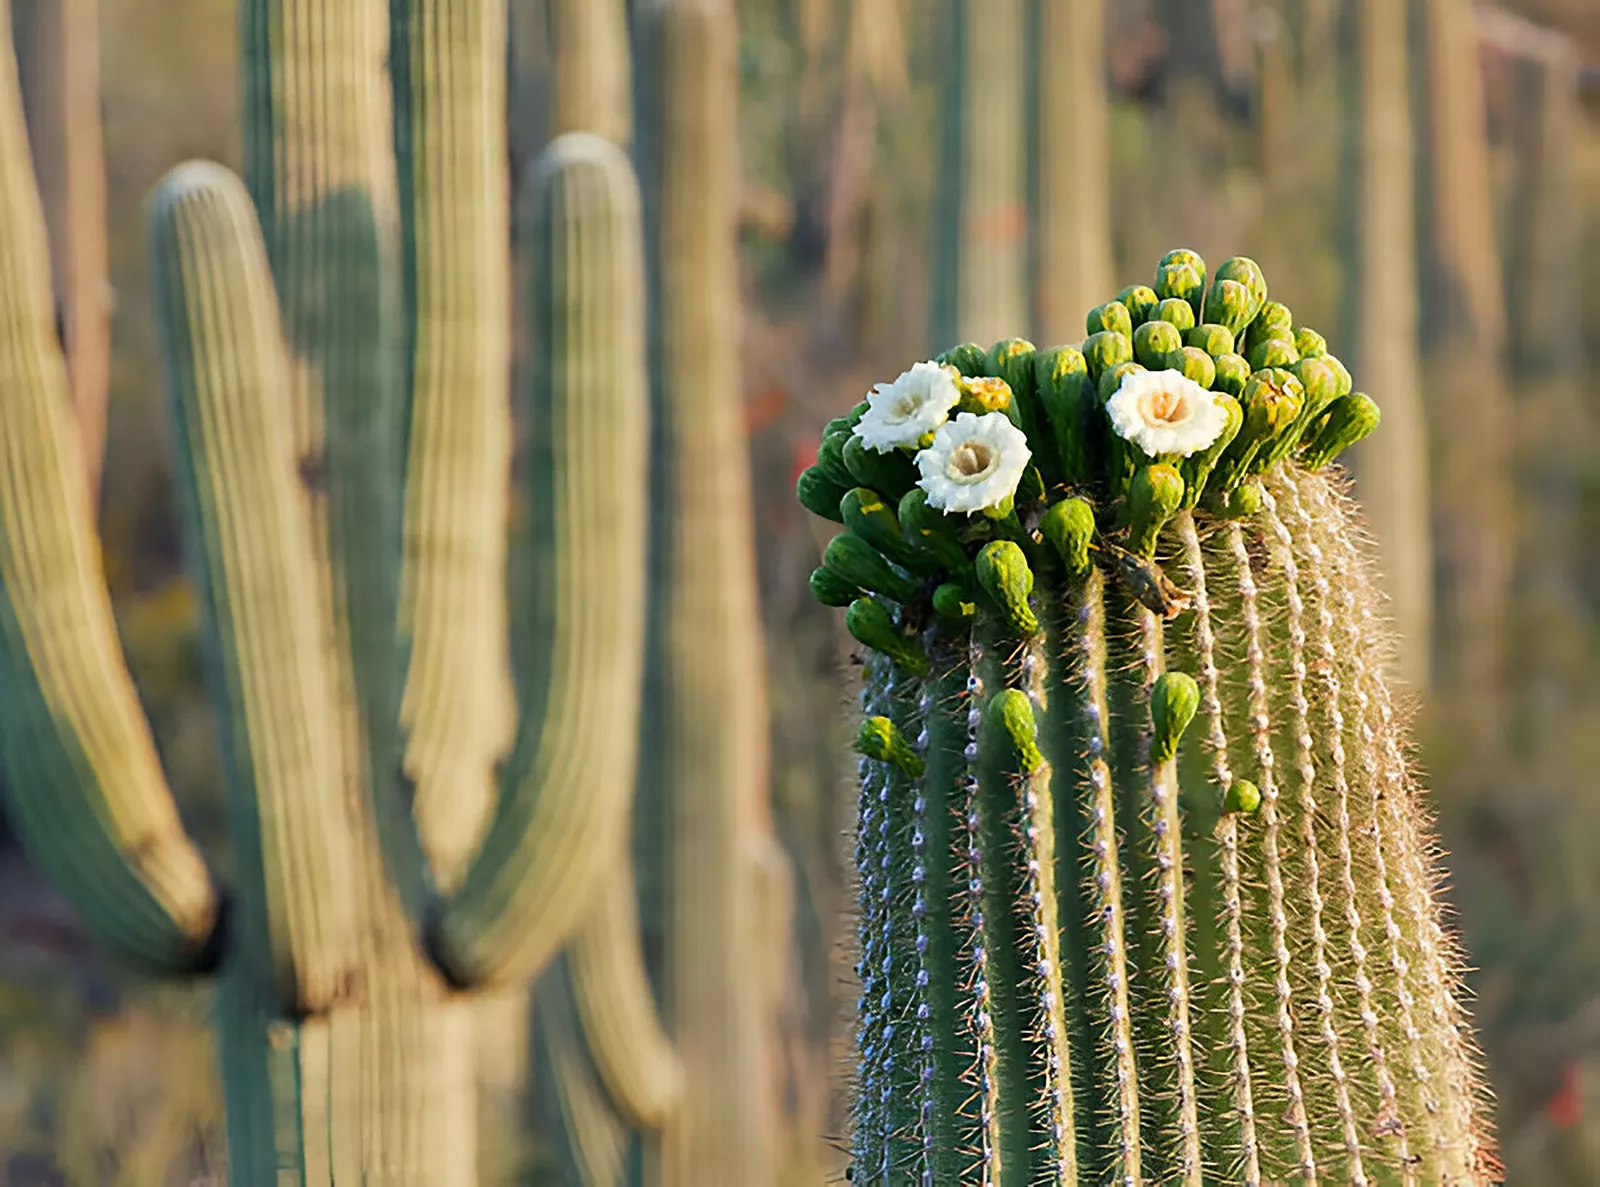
[
  {"x": 704, "y": 762},
  {"x": 299, "y": 378},
  {"x": 1146, "y": 892}
]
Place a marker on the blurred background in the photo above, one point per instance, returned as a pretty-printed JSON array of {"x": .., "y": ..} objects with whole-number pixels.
[{"x": 1420, "y": 180}]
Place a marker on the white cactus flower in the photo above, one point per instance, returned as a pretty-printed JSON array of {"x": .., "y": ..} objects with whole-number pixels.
[
  {"x": 974, "y": 463},
  {"x": 901, "y": 414},
  {"x": 1165, "y": 413}
]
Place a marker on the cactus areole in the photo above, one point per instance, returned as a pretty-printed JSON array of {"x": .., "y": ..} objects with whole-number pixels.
[{"x": 1145, "y": 890}]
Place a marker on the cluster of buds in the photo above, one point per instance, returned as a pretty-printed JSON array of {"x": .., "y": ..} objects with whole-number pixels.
[{"x": 958, "y": 478}]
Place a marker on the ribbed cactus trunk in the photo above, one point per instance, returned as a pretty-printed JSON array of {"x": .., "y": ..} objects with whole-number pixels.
[
  {"x": 1072, "y": 164},
  {"x": 60, "y": 64},
  {"x": 702, "y": 816},
  {"x": 591, "y": 69},
  {"x": 337, "y": 386},
  {"x": 980, "y": 250},
  {"x": 1146, "y": 890},
  {"x": 1382, "y": 320}
]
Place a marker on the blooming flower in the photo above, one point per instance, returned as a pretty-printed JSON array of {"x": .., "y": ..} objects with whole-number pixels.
[
  {"x": 1165, "y": 413},
  {"x": 974, "y": 463},
  {"x": 904, "y": 412}
]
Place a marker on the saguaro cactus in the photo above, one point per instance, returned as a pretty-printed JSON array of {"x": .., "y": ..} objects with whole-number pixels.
[
  {"x": 1146, "y": 894},
  {"x": 331, "y": 493}
]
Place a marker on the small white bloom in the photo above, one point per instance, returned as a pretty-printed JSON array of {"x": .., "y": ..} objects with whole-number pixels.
[
  {"x": 974, "y": 463},
  {"x": 1165, "y": 412},
  {"x": 902, "y": 413}
]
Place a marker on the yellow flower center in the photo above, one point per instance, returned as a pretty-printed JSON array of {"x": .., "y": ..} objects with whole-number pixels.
[
  {"x": 1163, "y": 407},
  {"x": 971, "y": 459}
]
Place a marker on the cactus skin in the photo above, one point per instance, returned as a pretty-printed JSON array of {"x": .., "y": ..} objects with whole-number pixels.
[
  {"x": 1131, "y": 913},
  {"x": 297, "y": 383}
]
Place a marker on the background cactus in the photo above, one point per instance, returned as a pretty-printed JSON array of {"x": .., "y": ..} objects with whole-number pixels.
[
  {"x": 332, "y": 494},
  {"x": 1146, "y": 892}
]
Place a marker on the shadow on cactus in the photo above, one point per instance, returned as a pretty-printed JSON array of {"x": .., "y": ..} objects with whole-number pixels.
[{"x": 1145, "y": 890}]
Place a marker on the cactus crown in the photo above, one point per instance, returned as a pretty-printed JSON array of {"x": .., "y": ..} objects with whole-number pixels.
[{"x": 1145, "y": 891}]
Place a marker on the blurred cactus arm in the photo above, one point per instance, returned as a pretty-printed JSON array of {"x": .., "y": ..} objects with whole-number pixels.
[
  {"x": 250, "y": 559},
  {"x": 561, "y": 814},
  {"x": 88, "y": 796}
]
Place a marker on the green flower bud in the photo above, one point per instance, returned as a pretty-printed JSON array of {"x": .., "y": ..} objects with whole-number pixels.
[
  {"x": 983, "y": 393},
  {"x": 932, "y": 531},
  {"x": 1349, "y": 419},
  {"x": 1010, "y": 711},
  {"x": 1176, "y": 312},
  {"x": 1243, "y": 270},
  {"x": 1154, "y": 341},
  {"x": 1140, "y": 301},
  {"x": 1181, "y": 274},
  {"x": 1195, "y": 364},
  {"x": 1003, "y": 572},
  {"x": 856, "y": 562},
  {"x": 1173, "y": 701},
  {"x": 1273, "y": 352},
  {"x": 1233, "y": 372},
  {"x": 1113, "y": 316},
  {"x": 1196, "y": 468},
  {"x": 952, "y": 602},
  {"x": 1271, "y": 401},
  {"x": 1241, "y": 796},
  {"x": 969, "y": 358},
  {"x": 893, "y": 473},
  {"x": 1111, "y": 380},
  {"x": 1012, "y": 359},
  {"x": 831, "y": 589},
  {"x": 1346, "y": 384},
  {"x": 1154, "y": 496},
  {"x": 880, "y": 739},
  {"x": 830, "y": 458},
  {"x": 869, "y": 516},
  {"x": 1228, "y": 304},
  {"x": 1215, "y": 340},
  {"x": 819, "y": 494},
  {"x": 1105, "y": 350},
  {"x": 1067, "y": 396},
  {"x": 1242, "y": 502},
  {"x": 1068, "y": 527},
  {"x": 1274, "y": 321},
  {"x": 1322, "y": 378},
  {"x": 1309, "y": 343},
  {"x": 869, "y": 623}
]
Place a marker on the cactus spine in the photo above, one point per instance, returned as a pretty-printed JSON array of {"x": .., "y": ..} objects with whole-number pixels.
[
  {"x": 1146, "y": 894},
  {"x": 332, "y": 494},
  {"x": 703, "y": 795}
]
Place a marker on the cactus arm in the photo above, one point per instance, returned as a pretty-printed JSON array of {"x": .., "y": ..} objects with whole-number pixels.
[
  {"x": 635, "y": 1063},
  {"x": 1247, "y": 1154},
  {"x": 590, "y": 87},
  {"x": 87, "y": 795},
  {"x": 458, "y": 707},
  {"x": 561, "y": 809},
  {"x": 250, "y": 556},
  {"x": 1306, "y": 777},
  {"x": 594, "y": 1143}
]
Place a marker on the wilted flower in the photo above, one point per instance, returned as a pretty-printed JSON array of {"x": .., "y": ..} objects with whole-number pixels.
[
  {"x": 902, "y": 414},
  {"x": 1165, "y": 413},
  {"x": 974, "y": 463}
]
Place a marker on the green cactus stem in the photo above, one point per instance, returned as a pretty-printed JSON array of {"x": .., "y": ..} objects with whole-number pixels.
[{"x": 1130, "y": 913}]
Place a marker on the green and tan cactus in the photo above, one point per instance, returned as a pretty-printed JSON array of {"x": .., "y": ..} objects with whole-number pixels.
[
  {"x": 1146, "y": 892},
  {"x": 337, "y": 360}
]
